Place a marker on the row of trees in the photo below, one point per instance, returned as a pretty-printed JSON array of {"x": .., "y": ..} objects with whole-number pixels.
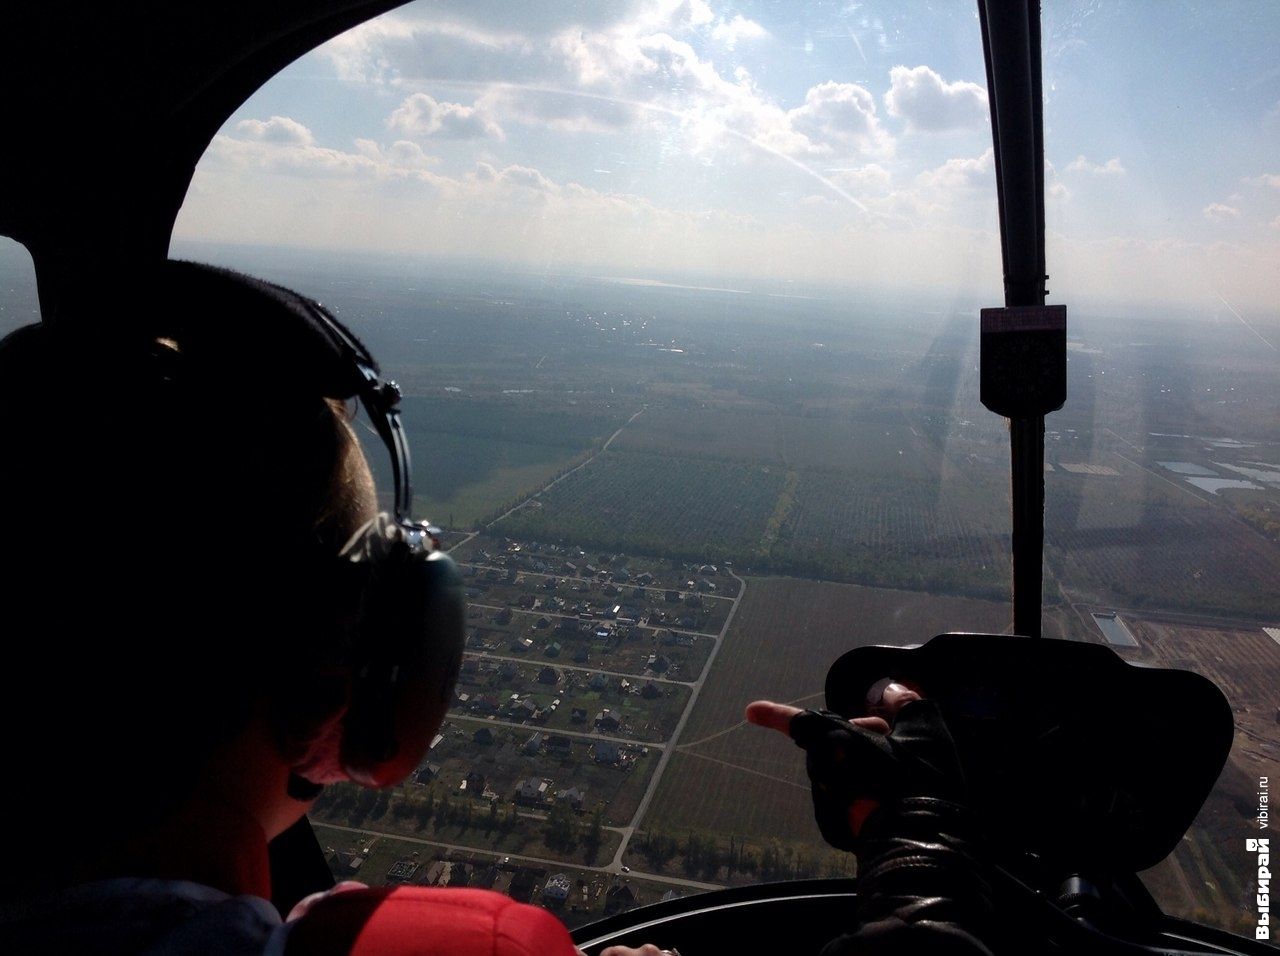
[
  {"x": 702, "y": 856},
  {"x": 355, "y": 806},
  {"x": 563, "y": 830}
]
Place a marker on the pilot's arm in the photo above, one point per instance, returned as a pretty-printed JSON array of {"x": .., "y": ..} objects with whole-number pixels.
[{"x": 896, "y": 797}]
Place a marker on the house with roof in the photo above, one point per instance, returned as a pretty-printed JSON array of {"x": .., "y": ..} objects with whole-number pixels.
[
  {"x": 572, "y": 796},
  {"x": 650, "y": 691},
  {"x": 559, "y": 745},
  {"x": 598, "y": 681},
  {"x": 473, "y": 783},
  {"x": 557, "y": 889},
  {"x": 606, "y": 751},
  {"x": 483, "y": 736},
  {"x": 607, "y": 721},
  {"x": 548, "y": 675},
  {"x": 426, "y": 773},
  {"x": 618, "y": 899},
  {"x": 578, "y": 715},
  {"x": 533, "y": 746},
  {"x": 532, "y": 792},
  {"x": 345, "y": 862}
]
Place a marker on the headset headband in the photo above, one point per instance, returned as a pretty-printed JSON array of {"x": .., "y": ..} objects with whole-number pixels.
[
  {"x": 341, "y": 368},
  {"x": 381, "y": 401}
]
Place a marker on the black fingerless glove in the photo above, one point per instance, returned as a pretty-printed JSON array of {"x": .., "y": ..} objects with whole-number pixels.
[
  {"x": 897, "y": 801},
  {"x": 849, "y": 766}
]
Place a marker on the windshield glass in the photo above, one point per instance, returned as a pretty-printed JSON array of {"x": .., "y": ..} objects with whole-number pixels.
[{"x": 683, "y": 298}]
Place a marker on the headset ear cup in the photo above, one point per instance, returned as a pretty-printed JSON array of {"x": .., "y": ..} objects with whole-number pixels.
[{"x": 407, "y": 656}]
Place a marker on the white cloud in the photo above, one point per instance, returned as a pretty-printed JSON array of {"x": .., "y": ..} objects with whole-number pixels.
[
  {"x": 568, "y": 111},
  {"x": 1217, "y": 212},
  {"x": 256, "y": 149},
  {"x": 525, "y": 177},
  {"x": 961, "y": 174},
  {"x": 1112, "y": 167},
  {"x": 961, "y": 190},
  {"x": 840, "y": 115},
  {"x": 423, "y": 115},
  {"x": 869, "y": 180},
  {"x": 1266, "y": 179},
  {"x": 732, "y": 32},
  {"x": 401, "y": 154},
  {"x": 407, "y": 155},
  {"x": 1054, "y": 187},
  {"x": 682, "y": 14},
  {"x": 925, "y": 101},
  {"x": 278, "y": 129},
  {"x": 640, "y": 68},
  {"x": 397, "y": 49}
]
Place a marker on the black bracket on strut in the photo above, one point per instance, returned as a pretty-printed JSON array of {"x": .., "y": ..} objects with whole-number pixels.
[{"x": 1024, "y": 360}]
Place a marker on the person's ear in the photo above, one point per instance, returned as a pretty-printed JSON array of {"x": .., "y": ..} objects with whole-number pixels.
[{"x": 307, "y": 724}]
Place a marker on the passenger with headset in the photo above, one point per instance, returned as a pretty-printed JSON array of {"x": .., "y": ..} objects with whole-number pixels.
[{"x": 205, "y": 622}]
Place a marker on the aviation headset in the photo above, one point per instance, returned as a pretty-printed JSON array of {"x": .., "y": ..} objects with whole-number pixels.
[{"x": 405, "y": 641}]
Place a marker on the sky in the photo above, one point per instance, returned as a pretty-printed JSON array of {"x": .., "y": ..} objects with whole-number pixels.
[{"x": 791, "y": 144}]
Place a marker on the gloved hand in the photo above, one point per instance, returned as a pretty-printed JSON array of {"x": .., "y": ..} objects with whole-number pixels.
[
  {"x": 858, "y": 767},
  {"x": 856, "y": 772},
  {"x": 895, "y": 796}
]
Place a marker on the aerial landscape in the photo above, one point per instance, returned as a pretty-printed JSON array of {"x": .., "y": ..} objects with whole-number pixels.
[
  {"x": 667, "y": 502},
  {"x": 684, "y": 311}
]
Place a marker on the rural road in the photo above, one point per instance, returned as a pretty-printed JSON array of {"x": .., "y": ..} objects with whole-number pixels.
[
  {"x": 628, "y": 741},
  {"x": 629, "y": 831},
  {"x": 555, "y": 481},
  {"x": 576, "y": 667},
  {"x": 574, "y": 617}
]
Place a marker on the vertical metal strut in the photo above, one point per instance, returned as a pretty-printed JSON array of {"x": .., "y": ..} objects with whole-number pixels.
[{"x": 1023, "y": 345}]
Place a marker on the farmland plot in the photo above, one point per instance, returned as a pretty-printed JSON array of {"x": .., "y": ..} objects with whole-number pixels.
[
  {"x": 701, "y": 509},
  {"x": 785, "y": 636}
]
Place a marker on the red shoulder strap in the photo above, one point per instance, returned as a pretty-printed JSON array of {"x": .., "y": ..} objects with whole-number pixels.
[{"x": 426, "y": 921}]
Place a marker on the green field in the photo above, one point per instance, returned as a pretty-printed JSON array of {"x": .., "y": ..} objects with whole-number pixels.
[
  {"x": 1141, "y": 540},
  {"x": 476, "y": 477},
  {"x": 698, "y": 509},
  {"x": 729, "y": 779},
  {"x": 891, "y": 531},
  {"x": 474, "y": 459},
  {"x": 829, "y": 497}
]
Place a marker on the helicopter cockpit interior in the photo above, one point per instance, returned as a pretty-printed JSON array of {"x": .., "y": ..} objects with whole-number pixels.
[{"x": 1100, "y": 740}]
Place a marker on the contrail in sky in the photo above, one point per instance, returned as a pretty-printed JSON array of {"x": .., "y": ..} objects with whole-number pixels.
[
  {"x": 683, "y": 116},
  {"x": 1246, "y": 324},
  {"x": 854, "y": 37}
]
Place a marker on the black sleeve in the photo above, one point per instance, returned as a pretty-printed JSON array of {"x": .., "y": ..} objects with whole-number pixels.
[
  {"x": 921, "y": 887},
  {"x": 922, "y": 883}
]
